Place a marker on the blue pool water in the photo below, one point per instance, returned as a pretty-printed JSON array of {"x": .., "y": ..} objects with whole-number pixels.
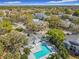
[{"x": 45, "y": 50}]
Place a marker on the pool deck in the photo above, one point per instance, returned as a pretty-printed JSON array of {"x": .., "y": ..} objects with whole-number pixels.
[
  {"x": 31, "y": 56},
  {"x": 36, "y": 49}
]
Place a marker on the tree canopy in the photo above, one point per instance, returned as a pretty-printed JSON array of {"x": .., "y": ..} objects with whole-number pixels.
[
  {"x": 12, "y": 41},
  {"x": 6, "y": 24},
  {"x": 54, "y": 22},
  {"x": 76, "y": 13},
  {"x": 1, "y": 48},
  {"x": 56, "y": 34},
  {"x": 57, "y": 38},
  {"x": 27, "y": 51},
  {"x": 68, "y": 11},
  {"x": 24, "y": 56}
]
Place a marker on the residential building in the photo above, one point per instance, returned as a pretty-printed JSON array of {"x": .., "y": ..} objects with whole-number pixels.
[{"x": 72, "y": 44}]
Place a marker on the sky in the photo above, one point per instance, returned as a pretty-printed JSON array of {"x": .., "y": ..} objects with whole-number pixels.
[{"x": 39, "y": 2}]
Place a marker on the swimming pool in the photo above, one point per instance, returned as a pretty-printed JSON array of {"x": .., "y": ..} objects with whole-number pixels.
[{"x": 45, "y": 50}]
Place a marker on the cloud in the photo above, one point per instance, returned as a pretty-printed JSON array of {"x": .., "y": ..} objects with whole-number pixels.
[
  {"x": 62, "y": 1},
  {"x": 12, "y": 2},
  {"x": 53, "y": 2},
  {"x": 20, "y": 4}
]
